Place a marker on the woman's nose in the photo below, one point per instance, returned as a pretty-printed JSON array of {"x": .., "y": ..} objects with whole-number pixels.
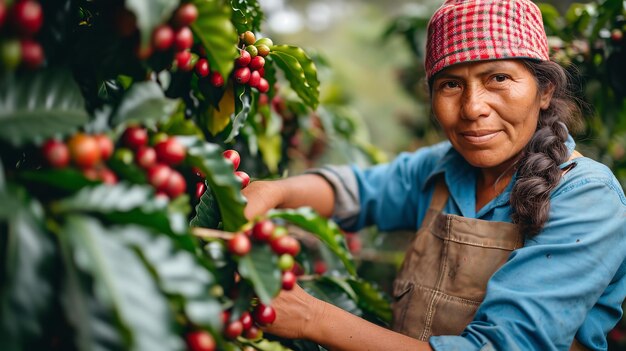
[{"x": 474, "y": 103}]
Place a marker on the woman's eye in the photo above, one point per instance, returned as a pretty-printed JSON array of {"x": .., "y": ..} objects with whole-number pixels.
[
  {"x": 500, "y": 78},
  {"x": 450, "y": 85}
]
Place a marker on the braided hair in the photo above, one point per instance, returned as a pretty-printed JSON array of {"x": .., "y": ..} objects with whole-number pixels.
[{"x": 538, "y": 171}]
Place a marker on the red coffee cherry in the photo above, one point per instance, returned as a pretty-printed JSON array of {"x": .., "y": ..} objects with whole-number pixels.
[
  {"x": 242, "y": 75},
  {"x": 263, "y": 86},
  {"x": 32, "y": 54},
  {"x": 106, "y": 145},
  {"x": 183, "y": 39},
  {"x": 320, "y": 267},
  {"x": 256, "y": 62},
  {"x": 200, "y": 189},
  {"x": 183, "y": 61},
  {"x": 200, "y": 340},
  {"x": 263, "y": 230},
  {"x": 243, "y": 177},
  {"x": 264, "y": 314},
  {"x": 246, "y": 320},
  {"x": 27, "y": 17},
  {"x": 244, "y": 58},
  {"x": 176, "y": 185},
  {"x": 239, "y": 245},
  {"x": 134, "y": 137},
  {"x": 56, "y": 153},
  {"x": 216, "y": 79},
  {"x": 170, "y": 151},
  {"x": 185, "y": 15},
  {"x": 107, "y": 176},
  {"x": 255, "y": 79},
  {"x": 232, "y": 156},
  {"x": 253, "y": 333},
  {"x": 3, "y": 13},
  {"x": 285, "y": 245},
  {"x": 289, "y": 280},
  {"x": 162, "y": 37},
  {"x": 233, "y": 329},
  {"x": 84, "y": 150},
  {"x": 146, "y": 157},
  {"x": 158, "y": 176},
  {"x": 202, "y": 68}
]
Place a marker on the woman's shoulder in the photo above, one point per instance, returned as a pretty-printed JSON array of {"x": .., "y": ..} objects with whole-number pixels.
[{"x": 584, "y": 172}]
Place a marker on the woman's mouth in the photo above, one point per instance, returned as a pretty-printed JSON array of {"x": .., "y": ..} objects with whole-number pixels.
[{"x": 480, "y": 136}]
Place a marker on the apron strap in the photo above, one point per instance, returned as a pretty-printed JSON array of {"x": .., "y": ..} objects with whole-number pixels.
[{"x": 440, "y": 195}]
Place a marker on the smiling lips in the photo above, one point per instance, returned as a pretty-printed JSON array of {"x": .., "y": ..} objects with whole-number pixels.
[{"x": 479, "y": 136}]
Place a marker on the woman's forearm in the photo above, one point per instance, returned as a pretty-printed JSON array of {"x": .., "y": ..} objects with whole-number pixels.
[
  {"x": 304, "y": 190},
  {"x": 339, "y": 330}
]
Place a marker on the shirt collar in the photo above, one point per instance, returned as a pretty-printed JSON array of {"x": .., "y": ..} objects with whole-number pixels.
[{"x": 460, "y": 178}]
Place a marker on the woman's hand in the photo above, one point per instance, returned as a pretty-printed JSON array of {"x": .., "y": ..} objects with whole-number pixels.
[{"x": 296, "y": 311}]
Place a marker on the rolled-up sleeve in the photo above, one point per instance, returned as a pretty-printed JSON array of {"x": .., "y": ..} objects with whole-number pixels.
[{"x": 567, "y": 281}]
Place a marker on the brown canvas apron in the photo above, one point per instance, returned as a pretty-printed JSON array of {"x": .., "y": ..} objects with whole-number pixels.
[{"x": 456, "y": 257}]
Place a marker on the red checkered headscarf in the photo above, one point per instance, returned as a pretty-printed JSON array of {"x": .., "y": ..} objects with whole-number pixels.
[{"x": 478, "y": 30}]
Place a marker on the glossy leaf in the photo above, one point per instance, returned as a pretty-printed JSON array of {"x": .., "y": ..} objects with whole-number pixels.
[
  {"x": 263, "y": 345},
  {"x": 27, "y": 258},
  {"x": 247, "y": 15},
  {"x": 221, "y": 180},
  {"x": 207, "y": 212},
  {"x": 219, "y": 118},
  {"x": 241, "y": 113},
  {"x": 106, "y": 198},
  {"x": 178, "y": 273},
  {"x": 149, "y": 14},
  {"x": 118, "y": 280},
  {"x": 38, "y": 106},
  {"x": 260, "y": 267},
  {"x": 144, "y": 103},
  {"x": 300, "y": 70},
  {"x": 216, "y": 34},
  {"x": 371, "y": 299},
  {"x": 68, "y": 179},
  {"x": 328, "y": 290},
  {"x": 324, "y": 229}
]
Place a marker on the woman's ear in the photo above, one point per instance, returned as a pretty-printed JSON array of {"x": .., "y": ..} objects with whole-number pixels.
[{"x": 546, "y": 96}]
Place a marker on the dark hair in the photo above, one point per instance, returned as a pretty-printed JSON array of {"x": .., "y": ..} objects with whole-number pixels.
[{"x": 538, "y": 171}]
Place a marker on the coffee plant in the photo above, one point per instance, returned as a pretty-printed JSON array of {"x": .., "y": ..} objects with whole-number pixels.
[{"x": 127, "y": 130}]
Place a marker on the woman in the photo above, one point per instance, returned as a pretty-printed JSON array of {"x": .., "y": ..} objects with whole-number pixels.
[{"x": 521, "y": 241}]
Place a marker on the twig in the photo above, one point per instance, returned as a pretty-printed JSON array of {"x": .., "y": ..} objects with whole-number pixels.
[{"x": 206, "y": 233}]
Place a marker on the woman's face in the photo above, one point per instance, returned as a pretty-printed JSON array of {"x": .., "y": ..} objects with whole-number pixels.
[{"x": 488, "y": 110}]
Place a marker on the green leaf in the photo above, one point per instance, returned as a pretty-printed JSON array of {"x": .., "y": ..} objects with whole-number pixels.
[
  {"x": 330, "y": 291},
  {"x": 178, "y": 273},
  {"x": 68, "y": 179},
  {"x": 105, "y": 198},
  {"x": 40, "y": 105},
  {"x": 149, "y": 14},
  {"x": 242, "y": 110},
  {"x": 207, "y": 212},
  {"x": 247, "y": 15},
  {"x": 120, "y": 283},
  {"x": 27, "y": 258},
  {"x": 324, "y": 229},
  {"x": 144, "y": 103},
  {"x": 260, "y": 267},
  {"x": 263, "y": 344},
  {"x": 300, "y": 70},
  {"x": 371, "y": 299},
  {"x": 216, "y": 34},
  {"x": 221, "y": 180},
  {"x": 551, "y": 18}
]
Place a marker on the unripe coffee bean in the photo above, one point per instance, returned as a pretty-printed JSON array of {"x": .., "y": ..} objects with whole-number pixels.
[
  {"x": 252, "y": 50},
  {"x": 248, "y": 38}
]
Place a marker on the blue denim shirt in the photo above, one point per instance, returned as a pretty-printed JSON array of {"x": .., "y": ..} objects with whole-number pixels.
[{"x": 568, "y": 280}]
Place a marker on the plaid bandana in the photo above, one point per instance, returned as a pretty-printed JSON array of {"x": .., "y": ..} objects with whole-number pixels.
[{"x": 478, "y": 30}]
